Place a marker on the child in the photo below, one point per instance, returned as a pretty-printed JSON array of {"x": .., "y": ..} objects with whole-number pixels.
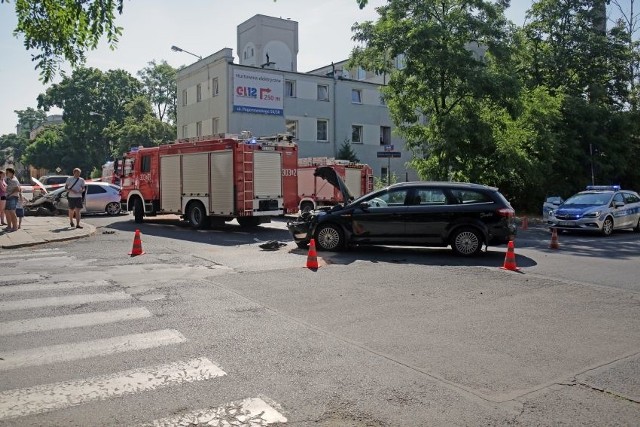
[{"x": 20, "y": 208}]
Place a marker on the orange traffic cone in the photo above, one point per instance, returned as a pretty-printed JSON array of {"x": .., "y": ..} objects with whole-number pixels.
[
  {"x": 525, "y": 223},
  {"x": 312, "y": 257},
  {"x": 554, "y": 239},
  {"x": 137, "y": 245},
  {"x": 510, "y": 258}
]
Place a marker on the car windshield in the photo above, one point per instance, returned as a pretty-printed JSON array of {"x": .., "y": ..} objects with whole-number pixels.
[{"x": 592, "y": 199}]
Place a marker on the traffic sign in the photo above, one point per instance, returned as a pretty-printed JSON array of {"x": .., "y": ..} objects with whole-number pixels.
[
  {"x": 388, "y": 154},
  {"x": 388, "y": 148}
]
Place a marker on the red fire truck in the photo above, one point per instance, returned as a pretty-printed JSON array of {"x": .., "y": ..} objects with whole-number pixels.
[
  {"x": 314, "y": 192},
  {"x": 211, "y": 179}
]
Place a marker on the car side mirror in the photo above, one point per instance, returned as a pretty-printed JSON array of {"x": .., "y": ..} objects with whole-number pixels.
[
  {"x": 618, "y": 204},
  {"x": 557, "y": 202},
  {"x": 364, "y": 206}
]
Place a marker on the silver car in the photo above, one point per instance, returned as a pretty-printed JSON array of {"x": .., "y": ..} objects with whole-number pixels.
[
  {"x": 600, "y": 208},
  {"x": 101, "y": 197}
]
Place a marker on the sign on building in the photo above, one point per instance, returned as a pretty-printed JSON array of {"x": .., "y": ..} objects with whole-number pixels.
[{"x": 258, "y": 93}]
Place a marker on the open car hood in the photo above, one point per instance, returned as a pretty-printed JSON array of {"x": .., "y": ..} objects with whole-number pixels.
[{"x": 329, "y": 174}]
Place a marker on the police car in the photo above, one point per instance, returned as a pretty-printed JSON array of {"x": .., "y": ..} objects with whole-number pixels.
[{"x": 600, "y": 208}]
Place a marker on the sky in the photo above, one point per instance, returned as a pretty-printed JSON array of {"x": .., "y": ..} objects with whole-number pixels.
[{"x": 151, "y": 27}]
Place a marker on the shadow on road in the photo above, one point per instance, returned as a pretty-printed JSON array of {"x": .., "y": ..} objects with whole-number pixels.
[{"x": 228, "y": 234}]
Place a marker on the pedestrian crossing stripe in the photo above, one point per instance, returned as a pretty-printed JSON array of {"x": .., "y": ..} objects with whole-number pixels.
[
  {"x": 31, "y": 255},
  {"x": 41, "y": 324},
  {"x": 10, "y": 279},
  {"x": 250, "y": 412},
  {"x": 49, "y": 397},
  {"x": 62, "y": 301},
  {"x": 33, "y": 287},
  {"x": 83, "y": 350}
]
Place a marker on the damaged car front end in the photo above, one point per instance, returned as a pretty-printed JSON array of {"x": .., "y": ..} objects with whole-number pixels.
[{"x": 304, "y": 227}]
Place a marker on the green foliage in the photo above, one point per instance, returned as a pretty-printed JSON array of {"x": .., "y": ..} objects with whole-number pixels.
[
  {"x": 483, "y": 101},
  {"x": 30, "y": 119},
  {"x": 160, "y": 87},
  {"x": 384, "y": 181},
  {"x": 52, "y": 149},
  {"x": 12, "y": 147},
  {"x": 92, "y": 100},
  {"x": 65, "y": 30},
  {"x": 346, "y": 152},
  {"x": 140, "y": 128}
]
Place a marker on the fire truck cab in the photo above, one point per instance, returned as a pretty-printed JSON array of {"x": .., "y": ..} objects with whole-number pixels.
[{"x": 212, "y": 179}]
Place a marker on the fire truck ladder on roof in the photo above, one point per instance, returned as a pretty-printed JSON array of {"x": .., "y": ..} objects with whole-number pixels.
[{"x": 247, "y": 190}]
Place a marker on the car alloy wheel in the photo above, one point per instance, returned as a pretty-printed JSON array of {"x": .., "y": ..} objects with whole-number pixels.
[
  {"x": 466, "y": 242},
  {"x": 607, "y": 227},
  {"x": 329, "y": 237},
  {"x": 113, "y": 208}
]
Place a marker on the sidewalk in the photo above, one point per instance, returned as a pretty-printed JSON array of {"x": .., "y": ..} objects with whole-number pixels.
[{"x": 43, "y": 229}]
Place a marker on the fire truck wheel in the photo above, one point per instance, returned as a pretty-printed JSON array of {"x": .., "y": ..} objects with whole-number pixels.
[
  {"x": 306, "y": 207},
  {"x": 138, "y": 211},
  {"x": 197, "y": 215},
  {"x": 248, "y": 221}
]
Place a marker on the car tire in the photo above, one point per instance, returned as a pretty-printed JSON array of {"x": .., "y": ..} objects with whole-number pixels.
[
  {"x": 197, "y": 216},
  {"x": 607, "y": 227},
  {"x": 466, "y": 242},
  {"x": 637, "y": 227},
  {"x": 113, "y": 208},
  {"x": 329, "y": 237},
  {"x": 248, "y": 221},
  {"x": 138, "y": 211}
]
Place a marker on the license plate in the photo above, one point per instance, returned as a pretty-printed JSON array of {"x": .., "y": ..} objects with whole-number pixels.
[{"x": 566, "y": 223}]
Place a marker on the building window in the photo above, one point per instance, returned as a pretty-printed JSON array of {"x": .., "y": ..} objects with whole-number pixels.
[
  {"x": 401, "y": 61},
  {"x": 362, "y": 74},
  {"x": 185, "y": 133},
  {"x": 356, "y": 96},
  {"x": 199, "y": 129},
  {"x": 292, "y": 128},
  {"x": 385, "y": 135},
  {"x": 290, "y": 88},
  {"x": 215, "y": 126},
  {"x": 215, "y": 88},
  {"x": 323, "y": 93},
  {"x": 198, "y": 92},
  {"x": 382, "y": 100},
  {"x": 383, "y": 172},
  {"x": 356, "y": 134},
  {"x": 322, "y": 130},
  {"x": 184, "y": 97}
]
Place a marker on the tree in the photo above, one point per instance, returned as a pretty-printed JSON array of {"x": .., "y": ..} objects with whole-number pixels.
[
  {"x": 30, "y": 119},
  {"x": 12, "y": 147},
  {"x": 452, "y": 51},
  {"x": 346, "y": 152},
  {"x": 140, "y": 128},
  {"x": 52, "y": 149},
  {"x": 91, "y": 100},
  {"x": 159, "y": 82},
  {"x": 65, "y": 30}
]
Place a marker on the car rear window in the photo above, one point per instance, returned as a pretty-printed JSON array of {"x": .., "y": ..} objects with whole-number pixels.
[{"x": 470, "y": 196}]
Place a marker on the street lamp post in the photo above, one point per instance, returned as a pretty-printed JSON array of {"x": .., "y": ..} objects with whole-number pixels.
[{"x": 179, "y": 49}]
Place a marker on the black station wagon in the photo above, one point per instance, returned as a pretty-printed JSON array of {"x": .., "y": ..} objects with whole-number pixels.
[{"x": 462, "y": 215}]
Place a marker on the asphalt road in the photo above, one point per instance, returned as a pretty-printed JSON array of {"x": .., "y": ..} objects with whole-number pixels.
[{"x": 375, "y": 336}]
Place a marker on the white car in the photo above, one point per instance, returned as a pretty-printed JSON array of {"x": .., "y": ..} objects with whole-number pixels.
[
  {"x": 549, "y": 205},
  {"x": 101, "y": 197}
]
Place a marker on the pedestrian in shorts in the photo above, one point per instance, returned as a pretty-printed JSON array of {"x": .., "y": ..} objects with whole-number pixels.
[
  {"x": 75, "y": 187},
  {"x": 13, "y": 194}
]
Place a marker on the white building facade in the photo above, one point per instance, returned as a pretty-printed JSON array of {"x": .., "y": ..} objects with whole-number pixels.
[{"x": 264, "y": 94}]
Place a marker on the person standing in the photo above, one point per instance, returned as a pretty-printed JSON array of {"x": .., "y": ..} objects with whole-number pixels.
[
  {"x": 13, "y": 193},
  {"x": 75, "y": 187},
  {"x": 3, "y": 197}
]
